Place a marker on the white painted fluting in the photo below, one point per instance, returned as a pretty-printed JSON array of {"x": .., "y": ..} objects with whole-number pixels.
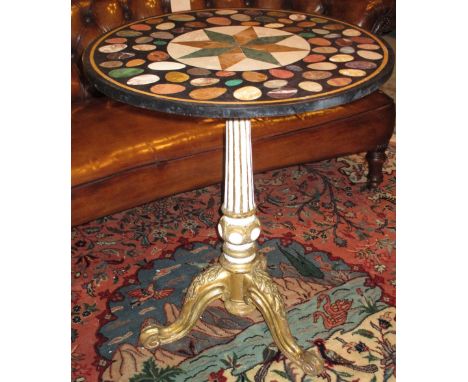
[
  {"x": 244, "y": 167},
  {"x": 237, "y": 168},
  {"x": 238, "y": 184}
]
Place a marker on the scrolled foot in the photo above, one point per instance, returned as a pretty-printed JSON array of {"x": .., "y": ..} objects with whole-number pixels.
[
  {"x": 311, "y": 362},
  {"x": 150, "y": 336}
]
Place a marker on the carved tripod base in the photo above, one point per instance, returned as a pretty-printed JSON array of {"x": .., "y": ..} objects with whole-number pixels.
[
  {"x": 243, "y": 288},
  {"x": 239, "y": 279}
]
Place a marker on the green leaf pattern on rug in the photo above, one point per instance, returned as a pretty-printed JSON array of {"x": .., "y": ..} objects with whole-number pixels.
[{"x": 152, "y": 373}]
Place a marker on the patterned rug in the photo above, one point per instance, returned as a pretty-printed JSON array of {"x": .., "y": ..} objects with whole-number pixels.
[{"x": 330, "y": 247}]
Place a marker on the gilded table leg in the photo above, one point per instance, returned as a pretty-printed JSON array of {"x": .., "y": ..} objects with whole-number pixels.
[
  {"x": 205, "y": 288},
  {"x": 239, "y": 279},
  {"x": 265, "y": 296}
]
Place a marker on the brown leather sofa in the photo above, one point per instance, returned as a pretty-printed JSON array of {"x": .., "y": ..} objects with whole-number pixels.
[{"x": 123, "y": 156}]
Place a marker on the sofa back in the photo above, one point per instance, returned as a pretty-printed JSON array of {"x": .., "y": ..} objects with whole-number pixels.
[{"x": 91, "y": 18}]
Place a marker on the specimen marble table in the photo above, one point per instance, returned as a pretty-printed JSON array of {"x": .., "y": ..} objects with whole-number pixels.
[{"x": 237, "y": 64}]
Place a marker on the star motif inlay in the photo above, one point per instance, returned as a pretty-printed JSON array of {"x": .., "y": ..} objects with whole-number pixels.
[{"x": 231, "y": 49}]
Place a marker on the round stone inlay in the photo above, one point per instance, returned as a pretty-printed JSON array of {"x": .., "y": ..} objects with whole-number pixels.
[{"x": 238, "y": 48}]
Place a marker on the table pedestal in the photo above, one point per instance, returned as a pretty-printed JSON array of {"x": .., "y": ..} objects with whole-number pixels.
[{"x": 239, "y": 279}]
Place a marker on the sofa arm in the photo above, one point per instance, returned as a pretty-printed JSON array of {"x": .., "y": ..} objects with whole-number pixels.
[
  {"x": 77, "y": 91},
  {"x": 377, "y": 16}
]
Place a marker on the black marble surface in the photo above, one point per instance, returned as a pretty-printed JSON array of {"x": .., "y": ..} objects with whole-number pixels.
[{"x": 235, "y": 109}]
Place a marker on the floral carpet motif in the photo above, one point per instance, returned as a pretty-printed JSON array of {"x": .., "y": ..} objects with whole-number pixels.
[{"x": 330, "y": 248}]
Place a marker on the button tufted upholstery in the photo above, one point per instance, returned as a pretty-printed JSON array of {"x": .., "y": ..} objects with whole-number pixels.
[{"x": 123, "y": 156}]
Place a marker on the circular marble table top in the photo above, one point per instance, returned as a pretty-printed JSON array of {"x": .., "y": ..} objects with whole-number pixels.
[{"x": 237, "y": 63}]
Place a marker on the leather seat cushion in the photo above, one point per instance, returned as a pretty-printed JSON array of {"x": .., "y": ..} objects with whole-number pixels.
[{"x": 109, "y": 137}]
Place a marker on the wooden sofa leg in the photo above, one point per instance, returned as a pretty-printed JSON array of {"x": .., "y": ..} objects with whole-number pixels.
[{"x": 375, "y": 160}]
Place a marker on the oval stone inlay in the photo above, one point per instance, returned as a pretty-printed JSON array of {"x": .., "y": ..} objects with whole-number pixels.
[
  {"x": 352, "y": 72},
  {"x": 112, "y": 48},
  {"x": 234, "y": 82},
  {"x": 274, "y": 25},
  {"x": 111, "y": 64},
  {"x": 319, "y": 41},
  {"x": 176, "y": 77},
  {"x": 165, "y": 26},
  {"x": 155, "y": 21},
  {"x": 157, "y": 56},
  {"x": 203, "y": 81},
  {"x": 196, "y": 24},
  {"x": 143, "y": 79},
  {"x": 198, "y": 72},
  {"x": 205, "y": 14},
  {"x": 316, "y": 75},
  {"x": 254, "y": 76},
  {"x": 226, "y": 12},
  {"x": 325, "y": 49},
  {"x": 315, "y": 58},
  {"x": 351, "y": 32},
  {"x": 143, "y": 40},
  {"x": 339, "y": 81},
  {"x": 293, "y": 29},
  {"x": 341, "y": 58},
  {"x": 164, "y": 89},
  {"x": 128, "y": 33},
  {"x": 181, "y": 17},
  {"x": 306, "y": 24},
  {"x": 344, "y": 42},
  {"x": 319, "y": 20},
  {"x": 281, "y": 73},
  {"x": 166, "y": 65},
  {"x": 273, "y": 84},
  {"x": 362, "y": 40},
  {"x": 334, "y": 27},
  {"x": 311, "y": 86},
  {"x": 120, "y": 40},
  {"x": 219, "y": 21},
  {"x": 125, "y": 72},
  {"x": 347, "y": 50},
  {"x": 162, "y": 35},
  {"x": 120, "y": 56},
  {"x": 250, "y": 23},
  {"x": 224, "y": 73},
  {"x": 281, "y": 93},
  {"x": 294, "y": 68},
  {"x": 140, "y": 27},
  {"x": 369, "y": 46},
  {"x": 135, "y": 62},
  {"x": 297, "y": 17},
  {"x": 361, "y": 65},
  {"x": 320, "y": 31},
  {"x": 241, "y": 17},
  {"x": 286, "y": 21},
  {"x": 144, "y": 47},
  {"x": 322, "y": 66},
  {"x": 265, "y": 19},
  {"x": 247, "y": 93},
  {"x": 206, "y": 94},
  {"x": 369, "y": 55}
]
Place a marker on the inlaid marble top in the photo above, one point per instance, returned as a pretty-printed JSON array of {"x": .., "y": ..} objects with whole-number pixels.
[{"x": 237, "y": 63}]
